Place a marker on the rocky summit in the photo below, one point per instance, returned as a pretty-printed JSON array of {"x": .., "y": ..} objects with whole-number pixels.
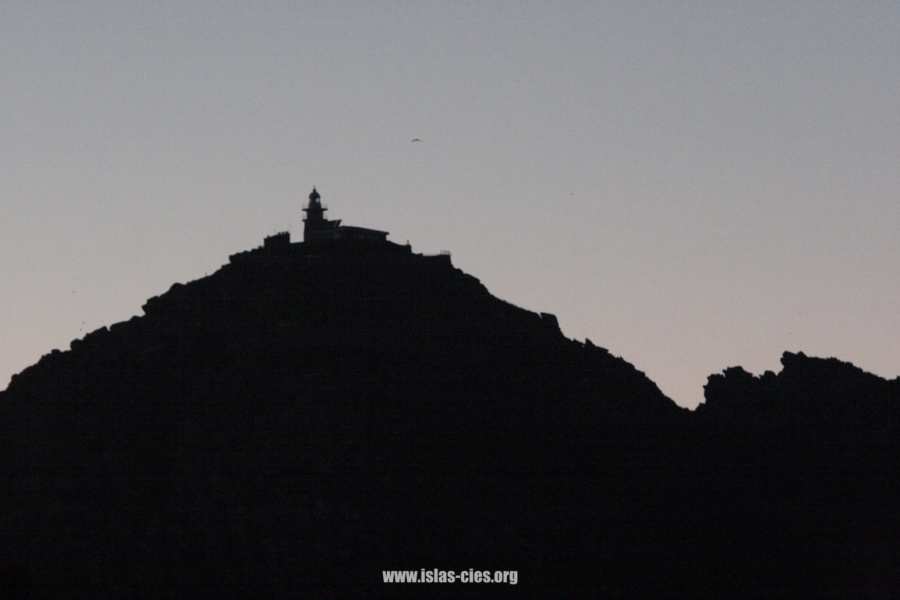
[{"x": 314, "y": 414}]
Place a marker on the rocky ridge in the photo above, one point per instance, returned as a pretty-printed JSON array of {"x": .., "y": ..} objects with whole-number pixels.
[{"x": 308, "y": 416}]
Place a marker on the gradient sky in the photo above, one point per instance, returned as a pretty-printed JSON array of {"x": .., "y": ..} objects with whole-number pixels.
[{"x": 693, "y": 185}]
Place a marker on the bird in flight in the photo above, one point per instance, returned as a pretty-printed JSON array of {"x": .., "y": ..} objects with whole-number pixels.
[{"x": 417, "y": 140}]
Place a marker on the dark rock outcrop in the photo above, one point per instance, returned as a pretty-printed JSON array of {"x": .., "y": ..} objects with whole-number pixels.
[
  {"x": 815, "y": 449},
  {"x": 814, "y": 397},
  {"x": 307, "y": 417}
]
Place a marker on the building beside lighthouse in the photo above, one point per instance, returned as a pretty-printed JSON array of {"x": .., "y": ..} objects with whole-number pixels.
[{"x": 316, "y": 228}]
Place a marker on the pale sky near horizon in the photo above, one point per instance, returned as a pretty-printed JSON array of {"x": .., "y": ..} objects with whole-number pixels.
[{"x": 692, "y": 185}]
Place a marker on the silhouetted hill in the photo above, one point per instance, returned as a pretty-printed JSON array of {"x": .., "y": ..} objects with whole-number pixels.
[{"x": 311, "y": 415}]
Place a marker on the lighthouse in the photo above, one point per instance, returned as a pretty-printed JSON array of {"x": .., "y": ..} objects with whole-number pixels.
[{"x": 316, "y": 228}]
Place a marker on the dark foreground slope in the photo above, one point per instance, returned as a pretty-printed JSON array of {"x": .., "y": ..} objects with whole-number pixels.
[{"x": 307, "y": 417}]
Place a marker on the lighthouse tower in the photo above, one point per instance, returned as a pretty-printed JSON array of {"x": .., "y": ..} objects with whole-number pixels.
[{"x": 315, "y": 220}]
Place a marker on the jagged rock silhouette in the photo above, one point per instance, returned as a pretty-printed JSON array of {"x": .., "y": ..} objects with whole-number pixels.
[{"x": 312, "y": 414}]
